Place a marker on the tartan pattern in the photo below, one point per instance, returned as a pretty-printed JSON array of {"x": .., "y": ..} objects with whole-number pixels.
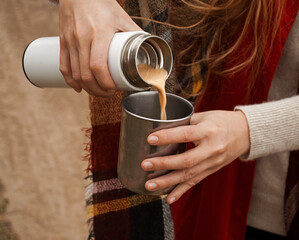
[
  {"x": 113, "y": 211},
  {"x": 108, "y": 202},
  {"x": 138, "y": 217}
]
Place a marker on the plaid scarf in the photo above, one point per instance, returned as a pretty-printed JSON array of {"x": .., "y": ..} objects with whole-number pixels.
[{"x": 113, "y": 211}]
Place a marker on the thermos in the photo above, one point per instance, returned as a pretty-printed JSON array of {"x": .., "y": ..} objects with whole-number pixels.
[{"x": 127, "y": 50}]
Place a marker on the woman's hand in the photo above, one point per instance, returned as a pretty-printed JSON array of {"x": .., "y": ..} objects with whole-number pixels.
[
  {"x": 219, "y": 138},
  {"x": 86, "y": 30}
]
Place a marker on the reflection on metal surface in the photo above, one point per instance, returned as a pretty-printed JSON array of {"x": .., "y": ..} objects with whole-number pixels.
[{"x": 140, "y": 117}]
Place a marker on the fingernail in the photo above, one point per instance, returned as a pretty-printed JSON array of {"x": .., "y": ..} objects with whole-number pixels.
[
  {"x": 147, "y": 165},
  {"x": 153, "y": 139},
  {"x": 171, "y": 200},
  {"x": 152, "y": 186}
]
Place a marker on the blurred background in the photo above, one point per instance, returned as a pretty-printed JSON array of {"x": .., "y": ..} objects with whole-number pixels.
[{"x": 41, "y": 142}]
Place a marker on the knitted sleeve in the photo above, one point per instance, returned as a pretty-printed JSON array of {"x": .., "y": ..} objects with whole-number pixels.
[{"x": 273, "y": 127}]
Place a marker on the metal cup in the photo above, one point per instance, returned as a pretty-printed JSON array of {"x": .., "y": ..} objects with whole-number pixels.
[{"x": 141, "y": 117}]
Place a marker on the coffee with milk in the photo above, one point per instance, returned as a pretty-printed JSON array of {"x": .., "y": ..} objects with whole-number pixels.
[{"x": 156, "y": 78}]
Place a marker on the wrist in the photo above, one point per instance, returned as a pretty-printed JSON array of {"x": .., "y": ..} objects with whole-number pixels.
[{"x": 244, "y": 133}]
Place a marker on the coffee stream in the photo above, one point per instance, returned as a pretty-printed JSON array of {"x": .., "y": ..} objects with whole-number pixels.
[{"x": 157, "y": 78}]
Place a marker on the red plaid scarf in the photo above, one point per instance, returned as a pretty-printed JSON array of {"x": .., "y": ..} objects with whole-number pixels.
[{"x": 115, "y": 213}]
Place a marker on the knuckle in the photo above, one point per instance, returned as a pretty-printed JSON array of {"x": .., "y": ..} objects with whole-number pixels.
[
  {"x": 188, "y": 162},
  {"x": 97, "y": 66},
  {"x": 79, "y": 36},
  {"x": 212, "y": 130},
  {"x": 99, "y": 69},
  {"x": 69, "y": 82},
  {"x": 105, "y": 85},
  {"x": 188, "y": 174},
  {"x": 187, "y": 133},
  {"x": 190, "y": 183},
  {"x": 62, "y": 38},
  {"x": 220, "y": 148},
  {"x": 162, "y": 164},
  {"x": 66, "y": 38},
  {"x": 219, "y": 161},
  {"x": 87, "y": 78},
  {"x": 76, "y": 76},
  {"x": 65, "y": 71}
]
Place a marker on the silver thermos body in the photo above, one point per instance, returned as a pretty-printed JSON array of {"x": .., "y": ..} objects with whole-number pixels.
[{"x": 126, "y": 51}]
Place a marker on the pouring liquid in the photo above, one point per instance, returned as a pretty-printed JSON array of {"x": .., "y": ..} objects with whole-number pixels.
[{"x": 156, "y": 78}]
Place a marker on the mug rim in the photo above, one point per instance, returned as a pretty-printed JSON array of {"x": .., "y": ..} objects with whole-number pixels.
[{"x": 158, "y": 120}]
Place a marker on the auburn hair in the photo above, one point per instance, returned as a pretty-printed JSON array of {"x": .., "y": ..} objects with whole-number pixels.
[{"x": 206, "y": 34}]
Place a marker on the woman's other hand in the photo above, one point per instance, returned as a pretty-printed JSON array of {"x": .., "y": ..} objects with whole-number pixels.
[
  {"x": 219, "y": 137},
  {"x": 86, "y": 30}
]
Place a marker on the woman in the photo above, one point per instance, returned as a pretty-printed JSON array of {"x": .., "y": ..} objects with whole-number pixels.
[{"x": 234, "y": 48}]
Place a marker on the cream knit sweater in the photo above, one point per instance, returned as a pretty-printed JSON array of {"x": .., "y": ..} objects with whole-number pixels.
[{"x": 274, "y": 131}]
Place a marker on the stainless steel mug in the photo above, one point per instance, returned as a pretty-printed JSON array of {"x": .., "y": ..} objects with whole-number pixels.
[{"x": 140, "y": 117}]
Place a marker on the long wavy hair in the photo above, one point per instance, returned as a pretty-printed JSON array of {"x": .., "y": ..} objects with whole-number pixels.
[{"x": 207, "y": 34}]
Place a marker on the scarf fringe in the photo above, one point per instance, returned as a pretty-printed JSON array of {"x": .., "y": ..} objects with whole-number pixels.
[
  {"x": 87, "y": 150},
  {"x": 89, "y": 179}
]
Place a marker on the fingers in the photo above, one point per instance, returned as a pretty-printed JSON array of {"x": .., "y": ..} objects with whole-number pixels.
[
  {"x": 76, "y": 68},
  {"x": 189, "y": 158},
  {"x": 69, "y": 63},
  {"x": 183, "y": 187},
  {"x": 181, "y": 134},
  {"x": 74, "y": 60},
  {"x": 65, "y": 67},
  {"x": 184, "y": 179},
  {"x": 99, "y": 61},
  {"x": 218, "y": 145},
  {"x": 179, "y": 190},
  {"x": 89, "y": 27},
  {"x": 175, "y": 177},
  {"x": 184, "y": 160},
  {"x": 87, "y": 78},
  {"x": 196, "y": 118}
]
